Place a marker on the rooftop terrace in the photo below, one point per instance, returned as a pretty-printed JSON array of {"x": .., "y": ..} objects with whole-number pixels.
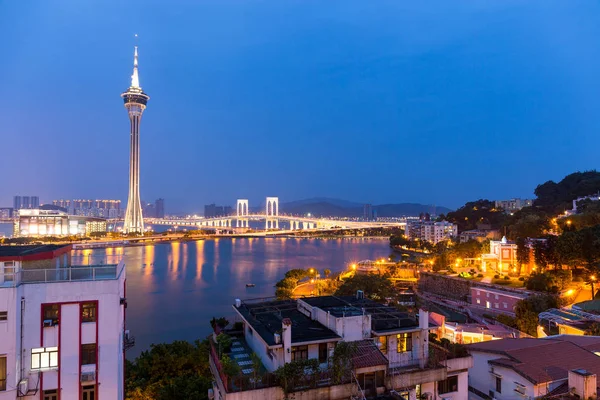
[
  {"x": 66, "y": 274},
  {"x": 383, "y": 318},
  {"x": 265, "y": 317}
]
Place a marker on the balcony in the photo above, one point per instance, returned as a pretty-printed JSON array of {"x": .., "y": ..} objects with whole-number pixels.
[{"x": 67, "y": 274}]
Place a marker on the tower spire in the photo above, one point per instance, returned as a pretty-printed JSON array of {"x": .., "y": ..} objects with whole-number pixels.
[{"x": 135, "y": 79}]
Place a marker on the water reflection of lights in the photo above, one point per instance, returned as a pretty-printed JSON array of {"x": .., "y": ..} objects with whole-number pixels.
[
  {"x": 184, "y": 250},
  {"x": 148, "y": 259},
  {"x": 199, "y": 258},
  {"x": 175, "y": 264}
]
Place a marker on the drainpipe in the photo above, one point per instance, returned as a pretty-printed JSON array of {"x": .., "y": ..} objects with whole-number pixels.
[{"x": 286, "y": 325}]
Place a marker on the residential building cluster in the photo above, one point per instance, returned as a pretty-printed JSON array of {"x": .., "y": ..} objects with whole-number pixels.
[
  {"x": 154, "y": 210},
  {"x": 91, "y": 208},
  {"x": 392, "y": 350},
  {"x": 212, "y": 210},
  {"x": 25, "y": 202},
  {"x": 513, "y": 205},
  {"x": 62, "y": 326},
  {"x": 430, "y": 231}
]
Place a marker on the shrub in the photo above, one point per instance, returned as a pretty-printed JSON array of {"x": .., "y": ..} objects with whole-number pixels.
[
  {"x": 506, "y": 278},
  {"x": 480, "y": 275},
  {"x": 522, "y": 278},
  {"x": 496, "y": 276}
]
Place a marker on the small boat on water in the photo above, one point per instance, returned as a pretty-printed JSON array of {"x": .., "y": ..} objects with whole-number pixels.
[{"x": 250, "y": 285}]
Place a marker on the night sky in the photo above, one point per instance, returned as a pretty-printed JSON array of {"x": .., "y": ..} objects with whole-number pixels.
[{"x": 371, "y": 101}]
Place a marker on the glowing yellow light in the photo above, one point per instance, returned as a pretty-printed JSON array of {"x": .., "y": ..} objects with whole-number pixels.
[
  {"x": 569, "y": 292},
  {"x": 354, "y": 266}
]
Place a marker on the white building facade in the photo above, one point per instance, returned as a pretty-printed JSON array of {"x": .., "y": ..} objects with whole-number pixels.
[
  {"x": 62, "y": 332},
  {"x": 431, "y": 231}
]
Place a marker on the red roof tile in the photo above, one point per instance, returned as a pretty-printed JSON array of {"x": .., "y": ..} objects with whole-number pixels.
[{"x": 368, "y": 355}]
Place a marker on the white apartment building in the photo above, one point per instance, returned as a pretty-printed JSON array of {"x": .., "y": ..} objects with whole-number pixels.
[
  {"x": 531, "y": 368},
  {"x": 392, "y": 351},
  {"x": 62, "y": 327},
  {"x": 431, "y": 231},
  {"x": 513, "y": 204}
]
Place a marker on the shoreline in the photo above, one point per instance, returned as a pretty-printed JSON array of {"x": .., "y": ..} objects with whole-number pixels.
[{"x": 87, "y": 245}]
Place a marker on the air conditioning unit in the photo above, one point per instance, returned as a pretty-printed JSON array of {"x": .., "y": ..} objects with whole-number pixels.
[
  {"x": 23, "y": 387},
  {"x": 88, "y": 376}
]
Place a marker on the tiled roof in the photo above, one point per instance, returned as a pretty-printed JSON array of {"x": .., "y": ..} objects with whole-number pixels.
[
  {"x": 543, "y": 360},
  {"x": 368, "y": 355}
]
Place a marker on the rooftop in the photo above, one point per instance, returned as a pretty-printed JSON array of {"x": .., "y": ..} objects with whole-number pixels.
[
  {"x": 368, "y": 355},
  {"x": 64, "y": 274},
  {"x": 383, "y": 318},
  {"x": 543, "y": 360},
  {"x": 266, "y": 317},
  {"x": 35, "y": 251}
]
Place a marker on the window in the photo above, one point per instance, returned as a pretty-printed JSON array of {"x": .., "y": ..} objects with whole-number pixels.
[
  {"x": 88, "y": 392},
  {"x": 3, "y": 315},
  {"x": 44, "y": 357},
  {"x": 50, "y": 314},
  {"x": 478, "y": 301},
  {"x": 299, "y": 353},
  {"x": 496, "y": 305},
  {"x": 88, "y": 354},
  {"x": 323, "y": 352},
  {"x": 88, "y": 312},
  {"x": 505, "y": 305},
  {"x": 478, "y": 293},
  {"x": 448, "y": 385},
  {"x": 51, "y": 394},
  {"x": 2, "y": 373},
  {"x": 383, "y": 344},
  {"x": 496, "y": 296},
  {"x": 404, "y": 342},
  {"x": 487, "y": 295},
  {"x": 498, "y": 384}
]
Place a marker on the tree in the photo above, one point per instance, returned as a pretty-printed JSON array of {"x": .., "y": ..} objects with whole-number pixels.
[
  {"x": 230, "y": 367},
  {"x": 477, "y": 212},
  {"x": 223, "y": 343},
  {"x": 593, "y": 330},
  {"x": 376, "y": 287},
  {"x": 157, "y": 372},
  {"x": 326, "y": 272},
  {"x": 342, "y": 359},
  {"x": 522, "y": 253},
  {"x": 527, "y": 310}
]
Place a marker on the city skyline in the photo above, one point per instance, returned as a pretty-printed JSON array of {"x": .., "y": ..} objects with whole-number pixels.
[{"x": 387, "y": 115}]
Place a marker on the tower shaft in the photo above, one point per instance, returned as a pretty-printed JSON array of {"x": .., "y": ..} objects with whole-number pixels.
[{"x": 135, "y": 103}]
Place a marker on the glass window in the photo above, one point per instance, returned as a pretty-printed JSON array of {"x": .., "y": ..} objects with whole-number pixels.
[
  {"x": 404, "y": 342},
  {"x": 88, "y": 354},
  {"x": 44, "y": 358},
  {"x": 88, "y": 392},
  {"x": 299, "y": 353},
  {"x": 383, "y": 344},
  {"x": 51, "y": 394},
  {"x": 498, "y": 384},
  {"x": 2, "y": 373},
  {"x": 3, "y": 315},
  {"x": 88, "y": 312},
  {"x": 50, "y": 313},
  {"x": 323, "y": 352},
  {"x": 448, "y": 385}
]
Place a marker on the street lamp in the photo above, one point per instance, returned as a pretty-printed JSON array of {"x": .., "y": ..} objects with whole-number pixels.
[{"x": 592, "y": 280}]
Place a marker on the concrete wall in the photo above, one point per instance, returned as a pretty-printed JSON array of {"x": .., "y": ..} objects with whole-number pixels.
[
  {"x": 337, "y": 392},
  {"x": 442, "y": 285},
  {"x": 350, "y": 328}
]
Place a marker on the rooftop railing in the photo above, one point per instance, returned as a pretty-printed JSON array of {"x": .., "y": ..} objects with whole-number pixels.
[{"x": 65, "y": 274}]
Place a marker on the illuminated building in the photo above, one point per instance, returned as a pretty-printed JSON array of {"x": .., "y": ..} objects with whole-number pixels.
[
  {"x": 33, "y": 223},
  {"x": 430, "y": 231},
  {"x": 63, "y": 326},
  {"x": 92, "y": 208},
  {"x": 502, "y": 257},
  {"x": 135, "y": 103},
  {"x": 513, "y": 204}
]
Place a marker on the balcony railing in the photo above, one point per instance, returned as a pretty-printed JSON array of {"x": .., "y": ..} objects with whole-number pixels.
[{"x": 66, "y": 274}]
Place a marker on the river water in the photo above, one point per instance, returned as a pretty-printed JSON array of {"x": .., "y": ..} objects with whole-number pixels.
[{"x": 174, "y": 289}]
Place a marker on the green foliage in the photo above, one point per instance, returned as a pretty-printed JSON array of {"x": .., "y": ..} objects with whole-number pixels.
[
  {"x": 477, "y": 212},
  {"x": 291, "y": 374},
  {"x": 223, "y": 343},
  {"x": 507, "y": 320},
  {"x": 375, "y": 287},
  {"x": 177, "y": 370},
  {"x": 230, "y": 367},
  {"x": 220, "y": 322},
  {"x": 593, "y": 330},
  {"x": 557, "y": 197},
  {"x": 326, "y": 272},
  {"x": 285, "y": 287},
  {"x": 527, "y": 311},
  {"x": 342, "y": 360}
]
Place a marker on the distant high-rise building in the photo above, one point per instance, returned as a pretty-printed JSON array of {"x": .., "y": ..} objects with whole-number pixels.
[
  {"x": 368, "y": 212},
  {"x": 91, "y": 208},
  {"x": 6, "y": 212},
  {"x": 26, "y": 202},
  {"x": 430, "y": 231},
  {"x": 159, "y": 208},
  {"x": 148, "y": 210},
  {"x": 212, "y": 210}
]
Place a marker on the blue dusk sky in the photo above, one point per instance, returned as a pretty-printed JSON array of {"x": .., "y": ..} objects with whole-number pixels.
[{"x": 371, "y": 101}]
